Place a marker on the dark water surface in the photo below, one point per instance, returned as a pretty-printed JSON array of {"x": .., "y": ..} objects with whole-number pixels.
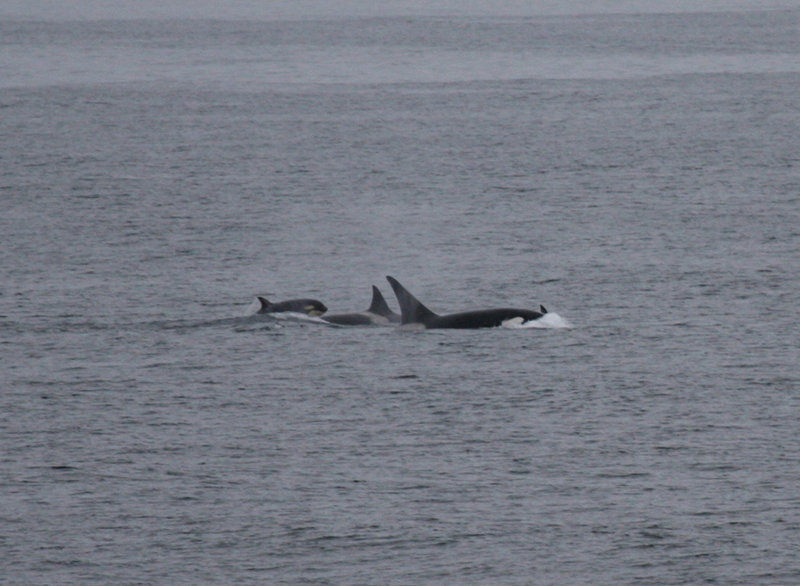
[{"x": 635, "y": 173}]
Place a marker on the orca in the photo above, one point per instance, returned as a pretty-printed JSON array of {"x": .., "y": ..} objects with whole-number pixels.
[
  {"x": 310, "y": 307},
  {"x": 414, "y": 312},
  {"x": 377, "y": 314}
]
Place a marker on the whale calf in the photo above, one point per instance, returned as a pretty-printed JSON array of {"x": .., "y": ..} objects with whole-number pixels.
[
  {"x": 414, "y": 312},
  {"x": 377, "y": 314},
  {"x": 312, "y": 307}
]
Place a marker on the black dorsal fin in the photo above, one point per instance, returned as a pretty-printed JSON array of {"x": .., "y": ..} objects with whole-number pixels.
[
  {"x": 379, "y": 305},
  {"x": 542, "y": 309},
  {"x": 265, "y": 303},
  {"x": 411, "y": 308}
]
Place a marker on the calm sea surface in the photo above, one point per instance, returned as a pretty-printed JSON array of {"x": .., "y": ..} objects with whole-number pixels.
[{"x": 637, "y": 173}]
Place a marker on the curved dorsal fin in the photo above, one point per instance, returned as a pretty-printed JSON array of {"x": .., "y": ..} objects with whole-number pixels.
[
  {"x": 542, "y": 309},
  {"x": 411, "y": 308},
  {"x": 379, "y": 305},
  {"x": 265, "y": 303}
]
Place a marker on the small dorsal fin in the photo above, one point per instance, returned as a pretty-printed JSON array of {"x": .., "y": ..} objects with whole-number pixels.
[
  {"x": 411, "y": 308},
  {"x": 265, "y": 303},
  {"x": 379, "y": 305},
  {"x": 542, "y": 309}
]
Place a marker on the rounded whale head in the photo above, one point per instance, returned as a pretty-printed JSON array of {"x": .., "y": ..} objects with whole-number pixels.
[
  {"x": 311, "y": 307},
  {"x": 314, "y": 308}
]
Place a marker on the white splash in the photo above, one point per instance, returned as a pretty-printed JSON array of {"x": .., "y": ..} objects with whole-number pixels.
[{"x": 549, "y": 320}]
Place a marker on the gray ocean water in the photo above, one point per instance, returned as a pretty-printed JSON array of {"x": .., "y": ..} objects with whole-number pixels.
[{"x": 637, "y": 173}]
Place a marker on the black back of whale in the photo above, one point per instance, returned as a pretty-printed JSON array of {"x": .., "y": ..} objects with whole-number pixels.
[
  {"x": 378, "y": 313},
  {"x": 414, "y": 312},
  {"x": 308, "y": 306}
]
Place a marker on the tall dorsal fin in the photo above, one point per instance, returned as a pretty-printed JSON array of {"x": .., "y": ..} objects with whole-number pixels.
[
  {"x": 265, "y": 303},
  {"x": 411, "y": 308},
  {"x": 379, "y": 305}
]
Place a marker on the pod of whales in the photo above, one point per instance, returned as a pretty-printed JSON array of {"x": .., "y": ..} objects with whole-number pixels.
[
  {"x": 377, "y": 314},
  {"x": 414, "y": 312},
  {"x": 312, "y": 307}
]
